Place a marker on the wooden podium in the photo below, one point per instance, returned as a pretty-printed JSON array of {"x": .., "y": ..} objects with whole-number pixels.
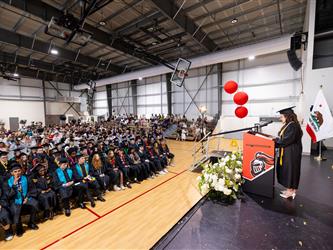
[{"x": 258, "y": 164}]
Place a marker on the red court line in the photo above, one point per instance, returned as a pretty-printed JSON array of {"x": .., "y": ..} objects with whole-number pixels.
[
  {"x": 127, "y": 202},
  {"x": 94, "y": 213},
  {"x": 172, "y": 172}
]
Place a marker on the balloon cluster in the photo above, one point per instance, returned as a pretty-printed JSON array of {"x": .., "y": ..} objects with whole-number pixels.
[{"x": 240, "y": 98}]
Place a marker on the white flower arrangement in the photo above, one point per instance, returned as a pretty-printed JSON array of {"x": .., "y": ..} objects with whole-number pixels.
[{"x": 223, "y": 178}]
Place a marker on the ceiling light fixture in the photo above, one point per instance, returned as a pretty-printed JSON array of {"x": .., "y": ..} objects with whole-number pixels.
[
  {"x": 235, "y": 20},
  {"x": 251, "y": 57},
  {"x": 102, "y": 23},
  {"x": 54, "y": 52},
  {"x": 140, "y": 78}
]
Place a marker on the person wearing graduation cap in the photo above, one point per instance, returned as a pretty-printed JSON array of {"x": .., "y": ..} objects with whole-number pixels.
[
  {"x": 22, "y": 195},
  {"x": 23, "y": 161},
  {"x": 54, "y": 160},
  {"x": 113, "y": 171},
  {"x": 72, "y": 156},
  {"x": 164, "y": 150},
  {"x": 289, "y": 143},
  {"x": 46, "y": 196},
  {"x": 99, "y": 171},
  {"x": 83, "y": 177},
  {"x": 4, "y": 169},
  {"x": 63, "y": 183},
  {"x": 5, "y": 217}
]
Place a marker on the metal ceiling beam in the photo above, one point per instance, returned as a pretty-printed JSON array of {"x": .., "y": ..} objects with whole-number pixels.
[
  {"x": 242, "y": 13},
  {"x": 32, "y": 73},
  {"x": 33, "y": 64},
  {"x": 28, "y": 62},
  {"x": 46, "y": 12},
  {"x": 10, "y": 37},
  {"x": 126, "y": 7},
  {"x": 138, "y": 22},
  {"x": 223, "y": 8},
  {"x": 197, "y": 5},
  {"x": 269, "y": 15},
  {"x": 178, "y": 15}
]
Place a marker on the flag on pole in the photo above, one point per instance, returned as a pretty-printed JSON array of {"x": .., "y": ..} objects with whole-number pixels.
[{"x": 320, "y": 123}]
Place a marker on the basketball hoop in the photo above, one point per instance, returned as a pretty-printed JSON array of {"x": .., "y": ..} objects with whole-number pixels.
[{"x": 182, "y": 73}]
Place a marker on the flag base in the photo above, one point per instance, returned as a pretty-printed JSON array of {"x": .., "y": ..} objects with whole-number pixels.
[{"x": 320, "y": 158}]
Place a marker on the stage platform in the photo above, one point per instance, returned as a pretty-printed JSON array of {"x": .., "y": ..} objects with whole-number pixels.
[{"x": 262, "y": 223}]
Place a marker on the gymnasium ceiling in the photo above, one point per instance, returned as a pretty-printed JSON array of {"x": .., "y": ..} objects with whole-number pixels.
[{"x": 132, "y": 34}]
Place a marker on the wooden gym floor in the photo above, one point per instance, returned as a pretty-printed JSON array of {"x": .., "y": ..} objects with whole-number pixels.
[{"x": 131, "y": 219}]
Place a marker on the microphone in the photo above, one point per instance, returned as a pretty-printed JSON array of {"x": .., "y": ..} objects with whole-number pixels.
[{"x": 265, "y": 123}]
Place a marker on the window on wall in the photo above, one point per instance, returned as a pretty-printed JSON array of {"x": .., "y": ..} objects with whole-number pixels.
[
  {"x": 323, "y": 40},
  {"x": 151, "y": 96},
  {"x": 122, "y": 98}
]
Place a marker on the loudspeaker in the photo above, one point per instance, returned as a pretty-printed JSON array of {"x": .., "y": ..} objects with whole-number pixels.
[
  {"x": 296, "y": 41},
  {"x": 62, "y": 118},
  {"x": 293, "y": 60}
]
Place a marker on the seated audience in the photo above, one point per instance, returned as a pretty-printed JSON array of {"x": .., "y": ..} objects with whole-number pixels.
[{"x": 46, "y": 169}]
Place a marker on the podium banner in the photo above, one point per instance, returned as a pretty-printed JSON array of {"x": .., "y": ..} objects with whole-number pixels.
[{"x": 258, "y": 164}]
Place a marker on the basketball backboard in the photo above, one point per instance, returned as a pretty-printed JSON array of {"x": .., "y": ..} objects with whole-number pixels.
[{"x": 180, "y": 72}]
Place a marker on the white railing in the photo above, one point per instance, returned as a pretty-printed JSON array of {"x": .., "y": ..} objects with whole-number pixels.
[{"x": 200, "y": 148}]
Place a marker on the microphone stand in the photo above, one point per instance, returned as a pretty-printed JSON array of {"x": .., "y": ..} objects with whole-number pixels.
[{"x": 254, "y": 129}]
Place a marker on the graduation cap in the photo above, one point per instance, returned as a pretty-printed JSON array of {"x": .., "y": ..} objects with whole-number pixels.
[
  {"x": 35, "y": 147},
  {"x": 3, "y": 153},
  {"x": 79, "y": 155},
  {"x": 22, "y": 154},
  {"x": 286, "y": 111},
  {"x": 15, "y": 166},
  {"x": 38, "y": 167},
  {"x": 55, "y": 151},
  {"x": 63, "y": 160},
  {"x": 71, "y": 150}
]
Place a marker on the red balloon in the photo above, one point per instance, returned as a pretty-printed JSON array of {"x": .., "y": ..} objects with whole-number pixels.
[
  {"x": 241, "y": 112},
  {"x": 241, "y": 98},
  {"x": 230, "y": 87}
]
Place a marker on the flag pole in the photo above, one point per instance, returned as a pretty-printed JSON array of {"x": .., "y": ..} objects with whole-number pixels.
[{"x": 320, "y": 156}]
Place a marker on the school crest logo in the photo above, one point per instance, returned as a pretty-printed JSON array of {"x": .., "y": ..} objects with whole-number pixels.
[{"x": 259, "y": 163}]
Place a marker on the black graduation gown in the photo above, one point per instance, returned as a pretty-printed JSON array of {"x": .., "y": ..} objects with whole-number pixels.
[
  {"x": 64, "y": 192},
  {"x": 47, "y": 200},
  {"x": 290, "y": 147},
  {"x": 149, "y": 164},
  {"x": 4, "y": 171},
  {"x": 166, "y": 151},
  {"x": 84, "y": 186},
  {"x": 113, "y": 172},
  {"x": 5, "y": 218},
  {"x": 31, "y": 206},
  {"x": 101, "y": 176}
]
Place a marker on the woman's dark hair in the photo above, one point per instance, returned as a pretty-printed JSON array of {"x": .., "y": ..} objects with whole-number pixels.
[{"x": 291, "y": 118}]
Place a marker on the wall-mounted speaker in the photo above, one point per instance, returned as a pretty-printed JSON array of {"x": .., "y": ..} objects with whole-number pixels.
[
  {"x": 293, "y": 60},
  {"x": 62, "y": 118}
]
